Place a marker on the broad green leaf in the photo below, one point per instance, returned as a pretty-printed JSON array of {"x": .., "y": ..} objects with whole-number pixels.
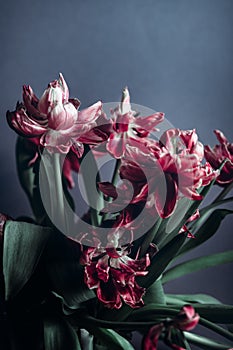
[
  {"x": 182, "y": 299},
  {"x": 197, "y": 264},
  {"x": 151, "y": 312},
  {"x": 207, "y": 230},
  {"x": 161, "y": 260},
  {"x": 65, "y": 273},
  {"x": 28, "y": 177},
  {"x": 111, "y": 339},
  {"x": 24, "y": 244},
  {"x": 59, "y": 335},
  {"x": 215, "y": 313},
  {"x": 155, "y": 293},
  {"x": 205, "y": 343}
]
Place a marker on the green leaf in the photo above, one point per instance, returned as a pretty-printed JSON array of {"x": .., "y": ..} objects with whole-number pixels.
[
  {"x": 182, "y": 299},
  {"x": 216, "y": 328},
  {"x": 205, "y": 343},
  {"x": 59, "y": 335},
  {"x": 207, "y": 230},
  {"x": 197, "y": 264},
  {"x": 25, "y": 152},
  {"x": 161, "y": 260},
  {"x": 155, "y": 294},
  {"x": 111, "y": 338},
  {"x": 64, "y": 271},
  {"x": 215, "y": 313},
  {"x": 23, "y": 246}
]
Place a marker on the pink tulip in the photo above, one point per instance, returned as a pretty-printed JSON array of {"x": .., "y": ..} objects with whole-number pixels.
[
  {"x": 186, "y": 320},
  {"x": 129, "y": 129},
  {"x": 112, "y": 273},
  {"x": 54, "y": 119},
  {"x": 217, "y": 155}
]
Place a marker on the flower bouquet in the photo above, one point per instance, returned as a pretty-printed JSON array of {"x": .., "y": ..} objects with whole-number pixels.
[{"x": 93, "y": 277}]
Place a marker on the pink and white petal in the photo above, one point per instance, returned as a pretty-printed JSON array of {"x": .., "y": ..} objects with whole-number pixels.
[
  {"x": 64, "y": 88},
  {"x": 221, "y": 137},
  {"x": 150, "y": 122},
  {"x": 90, "y": 114},
  {"x": 23, "y": 124},
  {"x": 116, "y": 145}
]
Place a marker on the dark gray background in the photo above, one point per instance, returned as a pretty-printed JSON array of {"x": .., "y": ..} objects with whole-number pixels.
[{"x": 176, "y": 56}]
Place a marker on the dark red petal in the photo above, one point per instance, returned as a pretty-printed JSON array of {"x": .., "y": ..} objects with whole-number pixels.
[
  {"x": 165, "y": 195},
  {"x": 150, "y": 341},
  {"x": 23, "y": 124}
]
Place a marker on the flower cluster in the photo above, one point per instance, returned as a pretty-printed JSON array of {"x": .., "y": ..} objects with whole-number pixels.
[{"x": 136, "y": 223}]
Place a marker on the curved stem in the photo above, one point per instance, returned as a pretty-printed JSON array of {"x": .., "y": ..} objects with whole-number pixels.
[
  {"x": 216, "y": 328},
  {"x": 58, "y": 202},
  {"x": 205, "y": 343},
  {"x": 223, "y": 193}
]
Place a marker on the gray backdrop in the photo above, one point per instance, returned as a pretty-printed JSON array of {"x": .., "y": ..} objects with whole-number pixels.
[{"x": 175, "y": 55}]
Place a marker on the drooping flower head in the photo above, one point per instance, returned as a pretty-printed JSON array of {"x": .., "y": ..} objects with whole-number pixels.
[
  {"x": 217, "y": 155},
  {"x": 186, "y": 320},
  {"x": 53, "y": 119},
  {"x": 112, "y": 273}
]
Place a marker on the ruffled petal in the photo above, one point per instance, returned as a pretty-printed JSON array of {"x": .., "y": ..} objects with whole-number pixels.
[{"x": 23, "y": 124}]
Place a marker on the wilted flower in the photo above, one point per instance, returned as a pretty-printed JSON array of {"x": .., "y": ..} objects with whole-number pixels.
[
  {"x": 129, "y": 128},
  {"x": 186, "y": 320},
  {"x": 217, "y": 155},
  {"x": 112, "y": 273},
  {"x": 171, "y": 168},
  {"x": 54, "y": 119}
]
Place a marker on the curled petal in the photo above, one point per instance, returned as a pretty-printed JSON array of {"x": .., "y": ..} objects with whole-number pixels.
[
  {"x": 64, "y": 88},
  {"x": 62, "y": 117},
  {"x": 116, "y": 145},
  {"x": 187, "y": 319},
  {"x": 125, "y": 101},
  {"x": 31, "y": 101},
  {"x": 221, "y": 137},
  {"x": 23, "y": 124},
  {"x": 90, "y": 114},
  {"x": 107, "y": 293},
  {"x": 150, "y": 341},
  {"x": 148, "y": 123}
]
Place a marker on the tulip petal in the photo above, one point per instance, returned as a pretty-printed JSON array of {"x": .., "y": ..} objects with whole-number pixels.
[
  {"x": 166, "y": 193},
  {"x": 23, "y": 124}
]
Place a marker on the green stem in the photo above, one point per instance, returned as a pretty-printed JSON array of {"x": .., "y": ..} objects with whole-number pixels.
[
  {"x": 59, "y": 204},
  {"x": 149, "y": 237},
  {"x": 223, "y": 193},
  {"x": 89, "y": 169},
  {"x": 216, "y": 328},
  {"x": 114, "y": 180},
  {"x": 205, "y": 343},
  {"x": 115, "y": 172},
  {"x": 215, "y": 204}
]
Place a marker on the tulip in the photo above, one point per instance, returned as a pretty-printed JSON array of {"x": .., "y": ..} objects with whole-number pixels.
[
  {"x": 54, "y": 119},
  {"x": 217, "y": 155},
  {"x": 112, "y": 273},
  {"x": 186, "y": 320},
  {"x": 129, "y": 129}
]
